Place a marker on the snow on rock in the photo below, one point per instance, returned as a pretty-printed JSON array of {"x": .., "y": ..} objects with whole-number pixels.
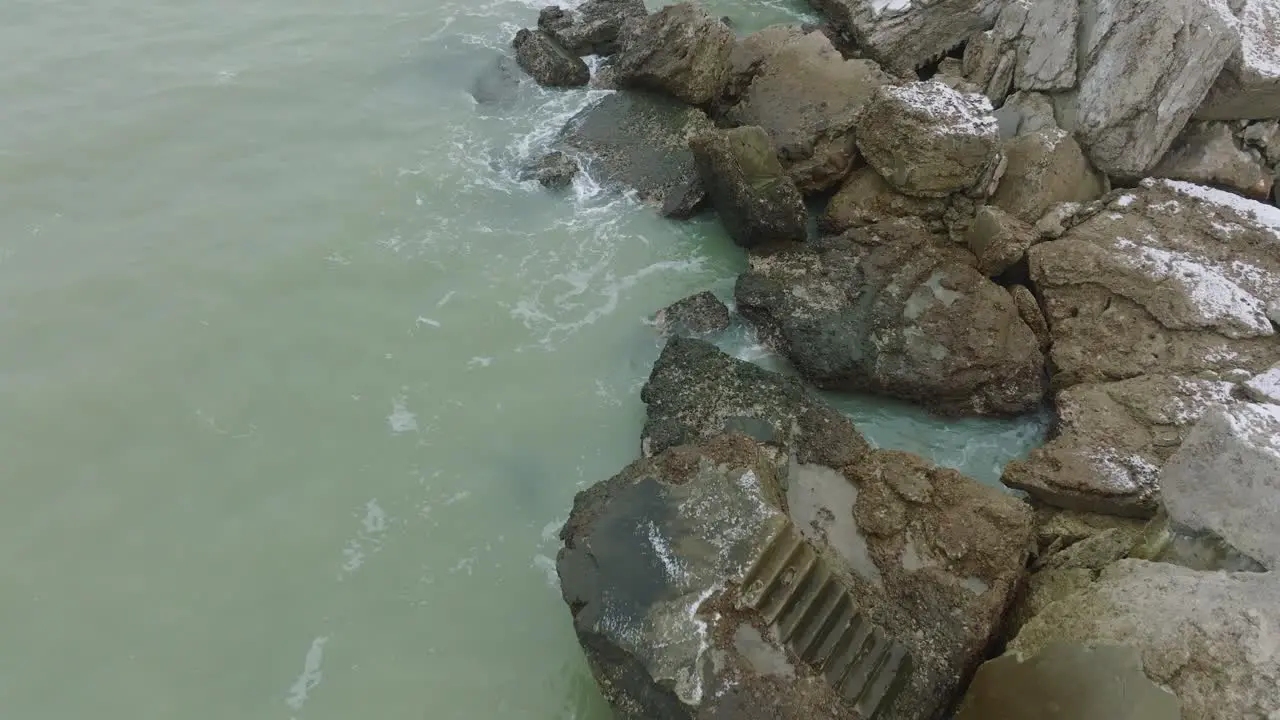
[
  {"x": 903, "y": 35},
  {"x": 1264, "y": 388},
  {"x": 1172, "y": 278},
  {"x": 1249, "y": 86}
]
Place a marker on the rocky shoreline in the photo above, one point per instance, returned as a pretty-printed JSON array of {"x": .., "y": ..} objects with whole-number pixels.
[{"x": 1020, "y": 202}]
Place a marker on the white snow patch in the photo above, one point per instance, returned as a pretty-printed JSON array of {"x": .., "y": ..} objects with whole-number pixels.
[
  {"x": 955, "y": 113},
  {"x": 1195, "y": 397},
  {"x": 1214, "y": 298},
  {"x": 1268, "y": 216},
  {"x": 1257, "y": 424},
  {"x": 1265, "y": 387},
  {"x": 1125, "y": 200},
  {"x": 1123, "y": 474}
]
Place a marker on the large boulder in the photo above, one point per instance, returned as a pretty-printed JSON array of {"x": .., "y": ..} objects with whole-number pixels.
[
  {"x": 1068, "y": 680},
  {"x": 885, "y": 309},
  {"x": 700, "y": 587},
  {"x": 1029, "y": 48},
  {"x": 866, "y": 199},
  {"x": 547, "y": 61},
  {"x": 1112, "y": 439},
  {"x": 1264, "y": 387},
  {"x": 757, "y": 201},
  {"x": 1169, "y": 278},
  {"x": 904, "y": 35},
  {"x": 590, "y": 28},
  {"x": 1145, "y": 68},
  {"x": 1045, "y": 167},
  {"x": 998, "y": 240},
  {"x": 928, "y": 140},
  {"x": 1226, "y": 479},
  {"x": 1024, "y": 113},
  {"x": 679, "y": 50},
  {"x": 697, "y": 392},
  {"x": 749, "y": 56},
  {"x": 1249, "y": 86},
  {"x": 1209, "y": 154},
  {"x": 640, "y": 141},
  {"x": 807, "y": 97},
  {"x": 1209, "y": 637}
]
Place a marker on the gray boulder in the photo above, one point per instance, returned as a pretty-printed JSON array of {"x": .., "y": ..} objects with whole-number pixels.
[
  {"x": 697, "y": 392},
  {"x": 1208, "y": 153},
  {"x": 590, "y": 28},
  {"x": 1045, "y": 167},
  {"x": 1068, "y": 681},
  {"x": 807, "y": 97},
  {"x": 1226, "y": 479},
  {"x": 699, "y": 315},
  {"x": 866, "y": 199},
  {"x": 1029, "y": 48},
  {"x": 554, "y": 171},
  {"x": 998, "y": 240},
  {"x": 1207, "y": 636},
  {"x": 1111, "y": 440},
  {"x": 757, "y": 201},
  {"x": 1147, "y": 66},
  {"x": 679, "y": 50},
  {"x": 547, "y": 61},
  {"x": 1265, "y": 137},
  {"x": 1170, "y": 278},
  {"x": 640, "y": 141},
  {"x": 887, "y": 310},
  {"x": 904, "y": 35},
  {"x": 1249, "y": 86},
  {"x": 928, "y": 140},
  {"x": 1024, "y": 113}
]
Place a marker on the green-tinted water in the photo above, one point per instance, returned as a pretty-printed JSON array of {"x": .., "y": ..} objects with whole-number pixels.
[{"x": 296, "y": 382}]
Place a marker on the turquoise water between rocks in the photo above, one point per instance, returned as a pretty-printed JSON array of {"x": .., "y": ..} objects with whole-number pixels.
[{"x": 297, "y": 382}]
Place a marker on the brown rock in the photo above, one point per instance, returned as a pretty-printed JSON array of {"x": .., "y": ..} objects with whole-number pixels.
[
  {"x": 1029, "y": 311},
  {"x": 1045, "y": 168},
  {"x": 866, "y": 199},
  {"x": 679, "y": 50},
  {"x": 998, "y": 240},
  {"x": 1207, "y": 153}
]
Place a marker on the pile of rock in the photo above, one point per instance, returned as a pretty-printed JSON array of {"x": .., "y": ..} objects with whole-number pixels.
[{"x": 760, "y": 560}]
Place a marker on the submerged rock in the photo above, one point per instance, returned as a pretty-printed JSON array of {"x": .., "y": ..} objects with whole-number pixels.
[
  {"x": 498, "y": 82},
  {"x": 866, "y": 199},
  {"x": 1111, "y": 441},
  {"x": 807, "y": 97},
  {"x": 1170, "y": 278},
  {"x": 1249, "y": 86},
  {"x": 698, "y": 315},
  {"x": 1148, "y": 66},
  {"x": 757, "y": 202},
  {"x": 928, "y": 140},
  {"x": 1207, "y": 636},
  {"x": 887, "y": 310},
  {"x": 640, "y": 140},
  {"x": 679, "y": 50},
  {"x": 547, "y": 61},
  {"x": 554, "y": 171},
  {"x": 696, "y": 392},
  {"x": 1045, "y": 167},
  {"x": 1226, "y": 479},
  {"x": 1068, "y": 681},
  {"x": 590, "y": 28},
  {"x": 903, "y": 35}
]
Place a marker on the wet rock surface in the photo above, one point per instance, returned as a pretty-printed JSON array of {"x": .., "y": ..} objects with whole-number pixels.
[
  {"x": 928, "y": 140},
  {"x": 1148, "y": 66},
  {"x": 887, "y": 310},
  {"x": 757, "y": 201},
  {"x": 1112, "y": 439},
  {"x": 554, "y": 171},
  {"x": 806, "y": 95},
  {"x": 1207, "y": 636},
  {"x": 547, "y": 61},
  {"x": 1225, "y": 478},
  {"x": 590, "y": 28},
  {"x": 639, "y": 140},
  {"x": 696, "y": 392},
  {"x": 1068, "y": 681},
  {"x": 679, "y": 50},
  {"x": 699, "y": 315}
]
